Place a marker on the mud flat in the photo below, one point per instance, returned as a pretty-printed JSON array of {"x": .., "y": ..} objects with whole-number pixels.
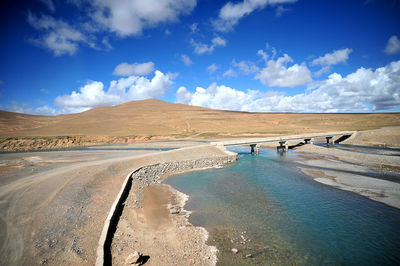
[{"x": 373, "y": 175}]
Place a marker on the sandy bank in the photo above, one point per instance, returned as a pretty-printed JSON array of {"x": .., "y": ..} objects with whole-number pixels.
[
  {"x": 154, "y": 221},
  {"x": 375, "y": 176}
]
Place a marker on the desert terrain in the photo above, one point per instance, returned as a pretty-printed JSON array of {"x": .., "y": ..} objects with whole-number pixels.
[{"x": 157, "y": 120}]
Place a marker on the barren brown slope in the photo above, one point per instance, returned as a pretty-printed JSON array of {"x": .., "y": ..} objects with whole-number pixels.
[{"x": 158, "y": 118}]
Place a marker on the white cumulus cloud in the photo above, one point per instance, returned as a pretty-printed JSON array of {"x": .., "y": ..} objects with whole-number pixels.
[
  {"x": 230, "y": 14},
  {"x": 201, "y": 48},
  {"x": 336, "y": 57},
  {"x": 247, "y": 67},
  {"x": 216, "y": 97},
  {"x": 329, "y": 59},
  {"x": 183, "y": 96},
  {"x": 131, "y": 88},
  {"x": 362, "y": 90},
  {"x": 127, "y": 18},
  {"x": 212, "y": 68},
  {"x": 393, "y": 45},
  {"x": 56, "y": 35},
  {"x": 90, "y": 20},
  {"x": 186, "y": 60},
  {"x": 276, "y": 73},
  {"x": 230, "y": 73},
  {"x": 125, "y": 69}
]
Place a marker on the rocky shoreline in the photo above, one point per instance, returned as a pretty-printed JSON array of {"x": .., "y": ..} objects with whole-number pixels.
[
  {"x": 154, "y": 221},
  {"x": 154, "y": 174}
]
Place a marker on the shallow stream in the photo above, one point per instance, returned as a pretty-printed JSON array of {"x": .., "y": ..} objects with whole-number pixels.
[{"x": 273, "y": 214}]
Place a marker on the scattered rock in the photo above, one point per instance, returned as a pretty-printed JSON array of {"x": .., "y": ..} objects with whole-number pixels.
[
  {"x": 174, "y": 211},
  {"x": 235, "y": 251},
  {"x": 133, "y": 258}
]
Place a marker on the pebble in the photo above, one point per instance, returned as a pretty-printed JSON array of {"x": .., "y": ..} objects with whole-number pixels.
[
  {"x": 133, "y": 258},
  {"x": 235, "y": 251},
  {"x": 174, "y": 211}
]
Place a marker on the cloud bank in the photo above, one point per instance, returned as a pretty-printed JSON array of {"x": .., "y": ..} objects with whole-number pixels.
[
  {"x": 95, "y": 18},
  {"x": 363, "y": 90},
  {"x": 93, "y": 94}
]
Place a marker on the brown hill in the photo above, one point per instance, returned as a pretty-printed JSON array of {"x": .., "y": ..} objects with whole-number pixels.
[{"x": 158, "y": 118}]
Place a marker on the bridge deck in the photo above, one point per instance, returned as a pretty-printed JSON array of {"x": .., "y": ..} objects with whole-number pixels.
[{"x": 246, "y": 141}]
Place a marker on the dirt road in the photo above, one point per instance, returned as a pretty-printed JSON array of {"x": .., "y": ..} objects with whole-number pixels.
[{"x": 53, "y": 204}]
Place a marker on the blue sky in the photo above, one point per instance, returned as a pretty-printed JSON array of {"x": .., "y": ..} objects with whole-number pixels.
[{"x": 249, "y": 55}]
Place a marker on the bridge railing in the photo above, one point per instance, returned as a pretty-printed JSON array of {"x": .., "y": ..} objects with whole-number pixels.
[{"x": 281, "y": 138}]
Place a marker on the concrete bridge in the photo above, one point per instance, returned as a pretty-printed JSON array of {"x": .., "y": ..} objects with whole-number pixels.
[{"x": 331, "y": 139}]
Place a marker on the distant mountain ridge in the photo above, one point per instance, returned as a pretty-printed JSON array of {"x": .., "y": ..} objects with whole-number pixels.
[{"x": 159, "y": 118}]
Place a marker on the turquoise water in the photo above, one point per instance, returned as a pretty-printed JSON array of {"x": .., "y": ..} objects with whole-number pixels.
[{"x": 263, "y": 206}]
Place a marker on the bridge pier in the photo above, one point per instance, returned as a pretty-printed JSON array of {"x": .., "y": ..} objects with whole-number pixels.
[
  {"x": 283, "y": 146},
  {"x": 330, "y": 140},
  {"x": 309, "y": 141},
  {"x": 252, "y": 146}
]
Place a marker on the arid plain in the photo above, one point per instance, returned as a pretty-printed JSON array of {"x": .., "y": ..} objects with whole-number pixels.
[{"x": 155, "y": 119}]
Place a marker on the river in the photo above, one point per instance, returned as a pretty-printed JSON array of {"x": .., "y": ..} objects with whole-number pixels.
[{"x": 273, "y": 214}]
